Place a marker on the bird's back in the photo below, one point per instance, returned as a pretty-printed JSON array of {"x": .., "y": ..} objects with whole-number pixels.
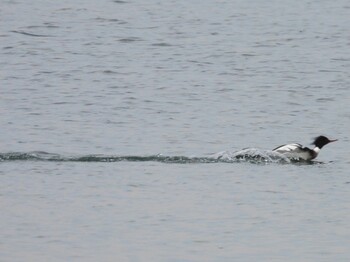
[
  {"x": 296, "y": 152},
  {"x": 288, "y": 148}
]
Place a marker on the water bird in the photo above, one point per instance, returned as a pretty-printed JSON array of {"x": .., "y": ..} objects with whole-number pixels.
[{"x": 298, "y": 152}]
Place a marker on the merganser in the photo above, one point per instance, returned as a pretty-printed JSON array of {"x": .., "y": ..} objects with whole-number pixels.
[{"x": 298, "y": 152}]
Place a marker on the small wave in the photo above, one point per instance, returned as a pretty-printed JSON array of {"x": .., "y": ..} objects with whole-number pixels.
[
  {"x": 29, "y": 34},
  {"x": 250, "y": 155}
]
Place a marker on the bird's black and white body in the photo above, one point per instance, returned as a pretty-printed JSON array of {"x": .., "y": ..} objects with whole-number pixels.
[{"x": 298, "y": 152}]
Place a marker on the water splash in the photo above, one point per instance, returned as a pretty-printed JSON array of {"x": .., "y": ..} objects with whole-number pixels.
[
  {"x": 250, "y": 155},
  {"x": 253, "y": 155}
]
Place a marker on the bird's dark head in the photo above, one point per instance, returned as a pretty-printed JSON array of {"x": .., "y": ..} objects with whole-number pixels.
[{"x": 321, "y": 141}]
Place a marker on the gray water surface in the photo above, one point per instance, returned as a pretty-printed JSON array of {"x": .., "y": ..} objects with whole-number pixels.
[{"x": 113, "y": 111}]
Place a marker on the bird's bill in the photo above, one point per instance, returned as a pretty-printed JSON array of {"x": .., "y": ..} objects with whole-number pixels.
[{"x": 332, "y": 140}]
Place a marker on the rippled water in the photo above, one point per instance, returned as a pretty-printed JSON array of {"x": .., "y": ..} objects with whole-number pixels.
[{"x": 123, "y": 125}]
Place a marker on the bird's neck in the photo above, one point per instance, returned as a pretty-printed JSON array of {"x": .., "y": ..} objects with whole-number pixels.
[{"x": 316, "y": 149}]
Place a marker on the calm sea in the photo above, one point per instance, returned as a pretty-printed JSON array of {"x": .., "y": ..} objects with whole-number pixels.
[{"x": 113, "y": 113}]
